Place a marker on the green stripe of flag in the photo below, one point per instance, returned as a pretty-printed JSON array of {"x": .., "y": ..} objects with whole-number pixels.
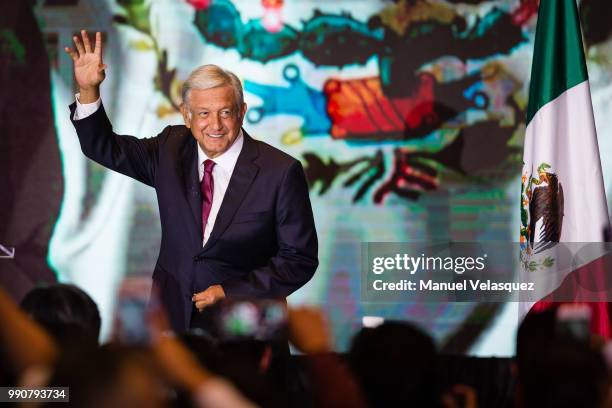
[{"x": 558, "y": 58}]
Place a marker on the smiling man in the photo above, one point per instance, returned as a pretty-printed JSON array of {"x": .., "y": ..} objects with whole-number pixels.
[{"x": 235, "y": 213}]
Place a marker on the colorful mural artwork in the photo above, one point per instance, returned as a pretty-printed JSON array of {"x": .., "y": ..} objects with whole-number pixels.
[
  {"x": 413, "y": 95},
  {"x": 408, "y": 116}
]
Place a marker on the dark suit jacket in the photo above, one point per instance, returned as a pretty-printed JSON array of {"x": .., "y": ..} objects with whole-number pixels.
[{"x": 263, "y": 243}]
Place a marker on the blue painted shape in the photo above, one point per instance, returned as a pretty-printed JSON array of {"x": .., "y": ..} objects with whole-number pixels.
[{"x": 296, "y": 99}]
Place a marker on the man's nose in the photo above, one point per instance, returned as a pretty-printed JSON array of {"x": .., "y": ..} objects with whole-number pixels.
[{"x": 215, "y": 122}]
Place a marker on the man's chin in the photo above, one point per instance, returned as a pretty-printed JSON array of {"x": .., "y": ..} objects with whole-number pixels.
[{"x": 214, "y": 151}]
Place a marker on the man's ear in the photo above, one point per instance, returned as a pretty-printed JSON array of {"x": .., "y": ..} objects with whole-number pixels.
[
  {"x": 185, "y": 113},
  {"x": 243, "y": 111}
]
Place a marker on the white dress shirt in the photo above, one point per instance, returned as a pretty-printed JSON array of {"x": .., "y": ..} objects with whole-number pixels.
[
  {"x": 83, "y": 110},
  {"x": 222, "y": 172}
]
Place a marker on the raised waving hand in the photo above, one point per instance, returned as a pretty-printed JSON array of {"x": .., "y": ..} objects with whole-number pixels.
[{"x": 88, "y": 65}]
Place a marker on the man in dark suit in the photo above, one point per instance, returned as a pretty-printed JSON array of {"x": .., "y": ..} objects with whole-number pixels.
[{"x": 235, "y": 213}]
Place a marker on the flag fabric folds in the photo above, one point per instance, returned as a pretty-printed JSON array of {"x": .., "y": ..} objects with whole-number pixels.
[{"x": 562, "y": 194}]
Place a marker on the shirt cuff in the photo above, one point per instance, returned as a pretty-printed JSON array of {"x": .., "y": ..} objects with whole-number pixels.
[{"x": 84, "y": 110}]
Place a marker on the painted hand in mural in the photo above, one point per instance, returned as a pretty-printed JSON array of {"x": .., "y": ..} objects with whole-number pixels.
[{"x": 88, "y": 65}]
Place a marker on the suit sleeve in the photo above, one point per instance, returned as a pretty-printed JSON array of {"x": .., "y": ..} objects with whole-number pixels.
[
  {"x": 296, "y": 260},
  {"x": 128, "y": 155}
]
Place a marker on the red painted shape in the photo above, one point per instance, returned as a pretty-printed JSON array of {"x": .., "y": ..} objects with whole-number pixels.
[{"x": 359, "y": 109}]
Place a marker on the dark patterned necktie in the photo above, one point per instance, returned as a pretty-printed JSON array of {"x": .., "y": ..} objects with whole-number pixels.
[{"x": 207, "y": 187}]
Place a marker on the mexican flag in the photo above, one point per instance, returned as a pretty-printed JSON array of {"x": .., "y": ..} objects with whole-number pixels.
[{"x": 562, "y": 194}]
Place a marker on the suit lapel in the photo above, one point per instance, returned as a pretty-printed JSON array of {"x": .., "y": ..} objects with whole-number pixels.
[
  {"x": 242, "y": 177},
  {"x": 189, "y": 163}
]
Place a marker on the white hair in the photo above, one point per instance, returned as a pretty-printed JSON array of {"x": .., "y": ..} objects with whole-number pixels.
[{"x": 212, "y": 76}]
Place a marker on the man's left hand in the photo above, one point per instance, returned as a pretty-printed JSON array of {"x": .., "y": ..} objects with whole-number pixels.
[{"x": 208, "y": 297}]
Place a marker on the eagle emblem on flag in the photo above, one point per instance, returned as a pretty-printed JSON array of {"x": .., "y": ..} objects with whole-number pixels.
[{"x": 541, "y": 200}]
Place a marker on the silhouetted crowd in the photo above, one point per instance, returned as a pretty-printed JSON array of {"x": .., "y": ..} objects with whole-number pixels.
[{"x": 51, "y": 340}]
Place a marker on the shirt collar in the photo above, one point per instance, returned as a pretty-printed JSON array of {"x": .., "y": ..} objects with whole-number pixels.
[{"x": 227, "y": 160}]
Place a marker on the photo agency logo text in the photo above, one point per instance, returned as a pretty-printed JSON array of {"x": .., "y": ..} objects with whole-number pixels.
[{"x": 413, "y": 264}]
